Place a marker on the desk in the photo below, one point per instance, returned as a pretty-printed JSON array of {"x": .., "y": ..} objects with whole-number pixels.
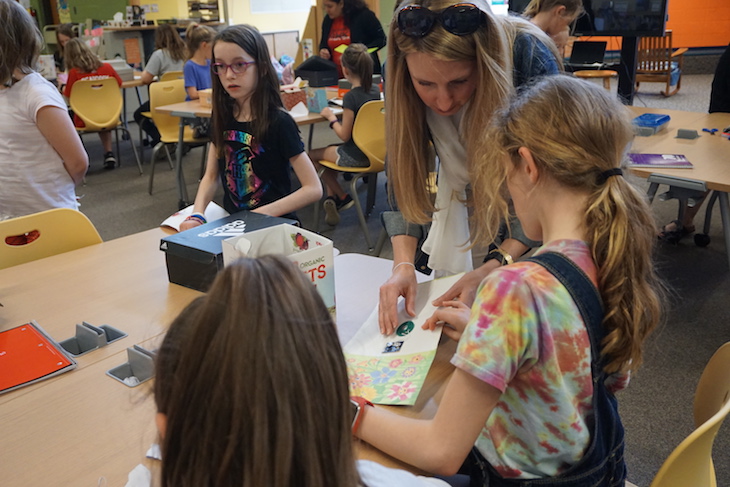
[
  {"x": 80, "y": 426},
  {"x": 193, "y": 109},
  {"x": 710, "y": 154}
]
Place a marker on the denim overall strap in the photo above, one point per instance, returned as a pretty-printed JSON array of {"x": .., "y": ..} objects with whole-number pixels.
[{"x": 602, "y": 464}]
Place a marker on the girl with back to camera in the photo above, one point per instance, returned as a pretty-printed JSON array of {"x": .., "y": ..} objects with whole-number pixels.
[
  {"x": 254, "y": 140},
  {"x": 278, "y": 412},
  {"x": 532, "y": 394},
  {"x": 553, "y": 16},
  {"x": 439, "y": 53},
  {"x": 82, "y": 64},
  {"x": 41, "y": 157},
  {"x": 199, "y": 39},
  {"x": 357, "y": 66}
]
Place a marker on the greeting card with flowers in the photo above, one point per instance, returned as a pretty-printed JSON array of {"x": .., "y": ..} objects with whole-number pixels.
[{"x": 392, "y": 369}]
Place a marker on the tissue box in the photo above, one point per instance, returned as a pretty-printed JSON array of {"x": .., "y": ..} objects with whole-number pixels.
[
  {"x": 194, "y": 256},
  {"x": 292, "y": 97},
  {"x": 312, "y": 253},
  {"x": 206, "y": 98},
  {"x": 316, "y": 99}
]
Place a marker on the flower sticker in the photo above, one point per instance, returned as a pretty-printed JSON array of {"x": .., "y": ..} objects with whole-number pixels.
[
  {"x": 408, "y": 372},
  {"x": 402, "y": 391},
  {"x": 300, "y": 241},
  {"x": 359, "y": 380},
  {"x": 382, "y": 376},
  {"x": 394, "y": 364},
  {"x": 417, "y": 359}
]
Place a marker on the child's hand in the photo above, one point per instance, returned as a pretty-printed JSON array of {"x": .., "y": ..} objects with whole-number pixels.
[
  {"x": 188, "y": 224},
  {"x": 326, "y": 112},
  {"x": 453, "y": 316}
]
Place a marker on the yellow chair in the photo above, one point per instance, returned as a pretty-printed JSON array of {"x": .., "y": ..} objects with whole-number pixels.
[
  {"x": 43, "y": 234},
  {"x": 690, "y": 464},
  {"x": 368, "y": 133},
  {"x": 99, "y": 104},
  {"x": 171, "y": 75},
  {"x": 166, "y": 93},
  {"x": 656, "y": 60}
]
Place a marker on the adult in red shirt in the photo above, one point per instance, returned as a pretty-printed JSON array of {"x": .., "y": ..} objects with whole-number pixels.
[
  {"x": 348, "y": 22},
  {"x": 82, "y": 64}
]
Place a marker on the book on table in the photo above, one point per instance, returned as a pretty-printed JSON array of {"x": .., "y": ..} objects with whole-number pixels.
[
  {"x": 29, "y": 355},
  {"x": 668, "y": 161}
]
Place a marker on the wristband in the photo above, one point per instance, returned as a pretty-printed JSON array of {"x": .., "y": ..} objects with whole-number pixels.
[
  {"x": 500, "y": 255},
  {"x": 404, "y": 263},
  {"x": 359, "y": 404},
  {"x": 333, "y": 122},
  {"x": 198, "y": 217}
]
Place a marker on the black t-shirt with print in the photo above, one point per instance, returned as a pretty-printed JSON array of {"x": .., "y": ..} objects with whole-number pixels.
[{"x": 255, "y": 174}]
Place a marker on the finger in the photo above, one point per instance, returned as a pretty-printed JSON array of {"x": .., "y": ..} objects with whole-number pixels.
[
  {"x": 449, "y": 295},
  {"x": 451, "y": 333}
]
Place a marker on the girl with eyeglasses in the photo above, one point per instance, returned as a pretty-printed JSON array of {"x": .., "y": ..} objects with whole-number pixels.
[
  {"x": 254, "y": 140},
  {"x": 450, "y": 67},
  {"x": 549, "y": 339}
]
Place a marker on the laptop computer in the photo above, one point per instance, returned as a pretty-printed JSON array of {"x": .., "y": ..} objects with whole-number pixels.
[{"x": 587, "y": 55}]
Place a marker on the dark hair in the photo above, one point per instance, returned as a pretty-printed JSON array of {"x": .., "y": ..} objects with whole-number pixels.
[
  {"x": 254, "y": 385},
  {"x": 20, "y": 41},
  {"x": 265, "y": 97},
  {"x": 350, "y": 8},
  {"x": 167, "y": 38},
  {"x": 357, "y": 60}
]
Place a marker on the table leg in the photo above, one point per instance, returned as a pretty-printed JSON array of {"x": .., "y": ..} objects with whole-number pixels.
[
  {"x": 311, "y": 132},
  {"x": 725, "y": 214},
  {"x": 181, "y": 188}
]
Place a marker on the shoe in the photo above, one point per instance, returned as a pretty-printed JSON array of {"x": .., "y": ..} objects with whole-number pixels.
[
  {"x": 345, "y": 203},
  {"x": 109, "y": 160},
  {"x": 331, "y": 215},
  {"x": 675, "y": 235}
]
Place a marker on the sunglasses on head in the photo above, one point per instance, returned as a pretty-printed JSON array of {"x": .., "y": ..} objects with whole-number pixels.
[{"x": 460, "y": 19}]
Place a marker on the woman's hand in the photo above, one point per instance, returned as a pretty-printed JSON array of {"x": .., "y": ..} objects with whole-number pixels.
[
  {"x": 324, "y": 53},
  {"x": 188, "y": 224},
  {"x": 453, "y": 316},
  {"x": 465, "y": 289},
  {"x": 401, "y": 283}
]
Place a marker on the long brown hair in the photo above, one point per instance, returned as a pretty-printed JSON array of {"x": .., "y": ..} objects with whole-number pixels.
[
  {"x": 576, "y": 130},
  {"x": 167, "y": 38},
  {"x": 79, "y": 56},
  {"x": 359, "y": 62},
  {"x": 265, "y": 97},
  {"x": 195, "y": 35},
  {"x": 20, "y": 41},
  {"x": 255, "y": 387}
]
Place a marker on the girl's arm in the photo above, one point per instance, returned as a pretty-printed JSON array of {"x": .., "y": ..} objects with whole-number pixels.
[
  {"x": 439, "y": 445},
  {"x": 342, "y": 129},
  {"x": 147, "y": 77},
  {"x": 206, "y": 188},
  {"x": 310, "y": 191},
  {"x": 58, "y": 129},
  {"x": 192, "y": 92}
]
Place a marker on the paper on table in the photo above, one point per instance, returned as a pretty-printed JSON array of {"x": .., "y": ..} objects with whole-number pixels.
[
  {"x": 299, "y": 110},
  {"x": 392, "y": 369},
  {"x": 212, "y": 212}
]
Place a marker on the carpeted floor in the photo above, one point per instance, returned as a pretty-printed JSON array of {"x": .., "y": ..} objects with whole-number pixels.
[{"x": 657, "y": 406}]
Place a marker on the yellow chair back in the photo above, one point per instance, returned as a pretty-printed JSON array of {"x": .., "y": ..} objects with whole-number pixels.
[
  {"x": 171, "y": 75},
  {"x": 56, "y": 231},
  {"x": 166, "y": 93},
  {"x": 97, "y": 102},
  {"x": 369, "y": 134}
]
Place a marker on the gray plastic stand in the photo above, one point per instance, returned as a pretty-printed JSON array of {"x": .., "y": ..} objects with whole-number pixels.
[
  {"x": 89, "y": 337},
  {"x": 140, "y": 365}
]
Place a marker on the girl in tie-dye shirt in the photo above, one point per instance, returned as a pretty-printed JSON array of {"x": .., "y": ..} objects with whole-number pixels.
[
  {"x": 254, "y": 141},
  {"x": 521, "y": 398}
]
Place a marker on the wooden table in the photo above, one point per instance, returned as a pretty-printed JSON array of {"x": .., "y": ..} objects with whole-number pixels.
[
  {"x": 81, "y": 426},
  {"x": 193, "y": 109},
  {"x": 710, "y": 155}
]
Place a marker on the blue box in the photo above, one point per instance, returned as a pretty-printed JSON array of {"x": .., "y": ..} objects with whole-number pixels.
[{"x": 650, "y": 123}]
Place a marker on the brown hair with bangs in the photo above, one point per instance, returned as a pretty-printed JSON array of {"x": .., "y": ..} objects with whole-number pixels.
[
  {"x": 167, "y": 38},
  {"x": 20, "y": 41},
  {"x": 79, "y": 56}
]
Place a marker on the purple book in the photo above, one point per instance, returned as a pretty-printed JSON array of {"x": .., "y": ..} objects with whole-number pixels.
[{"x": 673, "y": 161}]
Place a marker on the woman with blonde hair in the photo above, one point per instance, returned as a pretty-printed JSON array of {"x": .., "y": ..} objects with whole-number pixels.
[
  {"x": 553, "y": 16},
  {"x": 550, "y": 339},
  {"x": 439, "y": 53}
]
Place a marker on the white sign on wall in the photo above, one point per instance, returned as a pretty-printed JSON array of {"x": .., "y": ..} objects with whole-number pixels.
[{"x": 279, "y": 6}]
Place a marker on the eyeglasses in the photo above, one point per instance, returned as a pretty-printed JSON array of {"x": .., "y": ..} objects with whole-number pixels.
[
  {"x": 460, "y": 19},
  {"x": 238, "y": 67}
]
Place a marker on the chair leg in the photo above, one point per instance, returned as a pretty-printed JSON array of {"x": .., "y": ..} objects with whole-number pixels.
[
  {"x": 358, "y": 207},
  {"x": 372, "y": 188},
  {"x": 169, "y": 158},
  {"x": 318, "y": 203},
  {"x": 155, "y": 150},
  {"x": 119, "y": 154},
  {"x": 382, "y": 238},
  {"x": 134, "y": 149}
]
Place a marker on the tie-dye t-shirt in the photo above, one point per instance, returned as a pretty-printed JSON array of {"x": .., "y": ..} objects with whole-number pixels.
[
  {"x": 526, "y": 337},
  {"x": 253, "y": 174}
]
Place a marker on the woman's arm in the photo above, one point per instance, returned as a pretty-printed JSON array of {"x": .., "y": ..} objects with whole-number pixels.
[
  {"x": 439, "y": 445},
  {"x": 310, "y": 191},
  {"x": 206, "y": 188},
  {"x": 58, "y": 129}
]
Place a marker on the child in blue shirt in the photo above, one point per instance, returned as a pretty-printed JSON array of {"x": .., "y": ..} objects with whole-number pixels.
[{"x": 199, "y": 39}]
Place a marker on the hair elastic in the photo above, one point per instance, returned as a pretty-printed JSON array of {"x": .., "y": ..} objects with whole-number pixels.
[{"x": 603, "y": 177}]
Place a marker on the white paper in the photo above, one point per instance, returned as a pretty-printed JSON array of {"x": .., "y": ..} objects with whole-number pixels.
[
  {"x": 212, "y": 212},
  {"x": 139, "y": 477},
  {"x": 299, "y": 110}
]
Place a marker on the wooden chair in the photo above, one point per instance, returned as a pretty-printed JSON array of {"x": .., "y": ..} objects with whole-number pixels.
[
  {"x": 43, "y": 234},
  {"x": 691, "y": 462},
  {"x": 368, "y": 133},
  {"x": 98, "y": 102},
  {"x": 166, "y": 93},
  {"x": 656, "y": 61}
]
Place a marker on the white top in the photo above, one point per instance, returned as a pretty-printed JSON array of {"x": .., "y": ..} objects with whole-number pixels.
[
  {"x": 160, "y": 63},
  {"x": 32, "y": 175},
  {"x": 375, "y": 475}
]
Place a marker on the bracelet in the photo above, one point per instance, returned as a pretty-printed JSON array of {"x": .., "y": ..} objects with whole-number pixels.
[
  {"x": 500, "y": 255},
  {"x": 333, "y": 122},
  {"x": 198, "y": 217},
  {"x": 404, "y": 263}
]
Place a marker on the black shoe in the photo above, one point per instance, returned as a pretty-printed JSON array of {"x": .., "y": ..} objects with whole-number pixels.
[{"x": 109, "y": 160}]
